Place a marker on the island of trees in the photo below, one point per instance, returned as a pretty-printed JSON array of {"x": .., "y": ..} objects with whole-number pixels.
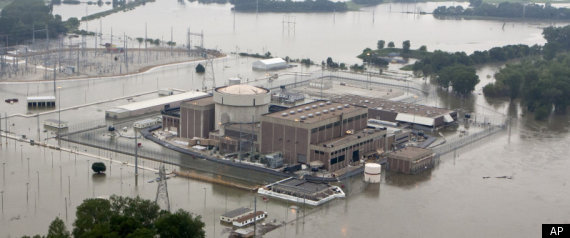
[
  {"x": 541, "y": 78},
  {"x": 505, "y": 10},
  {"x": 288, "y": 6},
  {"x": 127, "y": 217},
  {"x": 19, "y": 19}
]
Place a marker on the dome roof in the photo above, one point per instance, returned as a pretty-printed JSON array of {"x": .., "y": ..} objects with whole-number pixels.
[{"x": 242, "y": 89}]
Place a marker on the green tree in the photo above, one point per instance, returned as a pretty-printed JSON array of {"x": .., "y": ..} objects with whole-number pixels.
[
  {"x": 462, "y": 78},
  {"x": 180, "y": 224},
  {"x": 98, "y": 167},
  {"x": 423, "y": 48},
  {"x": 92, "y": 216},
  {"x": 380, "y": 44},
  {"x": 57, "y": 229},
  {"x": 200, "y": 69},
  {"x": 391, "y": 44},
  {"x": 406, "y": 46}
]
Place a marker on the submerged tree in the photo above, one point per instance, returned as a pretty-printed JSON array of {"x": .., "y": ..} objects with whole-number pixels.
[
  {"x": 200, "y": 69},
  {"x": 98, "y": 167}
]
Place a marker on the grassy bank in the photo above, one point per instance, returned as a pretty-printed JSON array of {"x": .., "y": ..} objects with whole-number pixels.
[{"x": 127, "y": 7}]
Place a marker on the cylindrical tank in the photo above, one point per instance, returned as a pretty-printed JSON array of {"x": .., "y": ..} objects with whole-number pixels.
[
  {"x": 372, "y": 173},
  {"x": 240, "y": 104}
]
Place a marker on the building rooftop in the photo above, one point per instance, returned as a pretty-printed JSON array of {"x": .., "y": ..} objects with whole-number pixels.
[
  {"x": 314, "y": 112},
  {"x": 199, "y": 102},
  {"x": 272, "y": 61},
  {"x": 397, "y": 107},
  {"x": 159, "y": 101},
  {"x": 41, "y": 98},
  {"x": 252, "y": 215},
  {"x": 410, "y": 153},
  {"x": 301, "y": 187},
  {"x": 338, "y": 142},
  {"x": 237, "y": 212},
  {"x": 242, "y": 89}
]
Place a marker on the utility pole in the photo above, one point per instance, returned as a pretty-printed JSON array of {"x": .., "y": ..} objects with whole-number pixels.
[
  {"x": 136, "y": 159},
  {"x": 254, "y": 214}
]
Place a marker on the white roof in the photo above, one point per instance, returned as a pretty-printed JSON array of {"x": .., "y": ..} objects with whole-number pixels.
[
  {"x": 160, "y": 101},
  {"x": 273, "y": 61},
  {"x": 242, "y": 89},
  {"x": 41, "y": 98},
  {"x": 411, "y": 118},
  {"x": 447, "y": 118}
]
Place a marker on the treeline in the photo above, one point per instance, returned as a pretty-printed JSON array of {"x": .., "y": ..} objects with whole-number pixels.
[
  {"x": 541, "y": 84},
  {"x": 20, "y": 18},
  {"x": 117, "y": 7},
  {"x": 288, "y": 6},
  {"x": 438, "y": 60},
  {"x": 368, "y": 2},
  {"x": 506, "y": 10},
  {"x": 127, "y": 217},
  {"x": 382, "y": 56}
]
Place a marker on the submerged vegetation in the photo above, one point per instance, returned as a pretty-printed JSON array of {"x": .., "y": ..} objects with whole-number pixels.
[
  {"x": 19, "y": 19},
  {"x": 506, "y": 10}
]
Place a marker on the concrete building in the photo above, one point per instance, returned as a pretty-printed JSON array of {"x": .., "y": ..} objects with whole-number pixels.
[
  {"x": 197, "y": 118},
  {"x": 240, "y": 104},
  {"x": 332, "y": 133},
  {"x": 411, "y": 160},
  {"x": 235, "y": 214},
  {"x": 415, "y": 114},
  {"x": 171, "y": 120},
  {"x": 269, "y": 64},
  {"x": 151, "y": 106}
]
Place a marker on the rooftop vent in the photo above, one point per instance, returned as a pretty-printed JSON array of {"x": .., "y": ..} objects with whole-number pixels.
[
  {"x": 325, "y": 111},
  {"x": 314, "y": 106},
  {"x": 332, "y": 109},
  {"x": 328, "y": 102},
  {"x": 303, "y": 118},
  {"x": 339, "y": 107},
  {"x": 346, "y": 105},
  {"x": 366, "y": 101},
  {"x": 292, "y": 112},
  {"x": 318, "y": 113},
  {"x": 307, "y": 108},
  {"x": 284, "y": 114},
  {"x": 300, "y": 110},
  {"x": 310, "y": 115},
  {"x": 321, "y": 104}
]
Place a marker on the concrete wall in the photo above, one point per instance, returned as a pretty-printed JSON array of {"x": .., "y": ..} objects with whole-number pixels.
[
  {"x": 196, "y": 123},
  {"x": 238, "y": 114},
  {"x": 292, "y": 141}
]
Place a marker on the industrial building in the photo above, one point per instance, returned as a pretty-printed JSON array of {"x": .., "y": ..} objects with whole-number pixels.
[
  {"x": 269, "y": 64},
  {"x": 41, "y": 101},
  {"x": 332, "y": 133},
  {"x": 390, "y": 111},
  {"x": 152, "y": 105},
  {"x": 235, "y": 214},
  {"x": 197, "y": 117},
  {"x": 411, "y": 160}
]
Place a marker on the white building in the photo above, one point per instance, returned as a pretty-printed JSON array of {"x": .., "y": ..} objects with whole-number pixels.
[
  {"x": 151, "y": 106},
  {"x": 269, "y": 64}
]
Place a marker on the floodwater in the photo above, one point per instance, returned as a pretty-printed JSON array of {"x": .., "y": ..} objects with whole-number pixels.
[
  {"x": 452, "y": 200},
  {"x": 341, "y": 36}
]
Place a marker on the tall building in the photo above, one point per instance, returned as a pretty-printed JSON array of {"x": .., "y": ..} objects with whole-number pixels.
[{"x": 331, "y": 134}]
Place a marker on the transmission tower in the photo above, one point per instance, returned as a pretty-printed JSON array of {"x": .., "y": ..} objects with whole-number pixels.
[
  {"x": 162, "y": 199},
  {"x": 209, "y": 77}
]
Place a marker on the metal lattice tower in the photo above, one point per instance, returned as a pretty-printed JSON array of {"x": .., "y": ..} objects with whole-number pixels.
[
  {"x": 162, "y": 198},
  {"x": 209, "y": 77}
]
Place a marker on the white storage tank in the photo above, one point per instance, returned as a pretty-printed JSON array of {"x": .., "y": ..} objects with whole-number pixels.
[{"x": 372, "y": 173}]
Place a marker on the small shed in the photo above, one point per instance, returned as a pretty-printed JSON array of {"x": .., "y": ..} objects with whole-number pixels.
[
  {"x": 235, "y": 214},
  {"x": 269, "y": 64}
]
